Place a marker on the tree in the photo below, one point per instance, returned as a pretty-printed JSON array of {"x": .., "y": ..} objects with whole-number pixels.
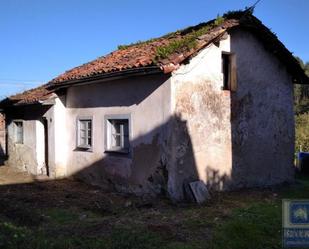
[
  {"x": 301, "y": 106},
  {"x": 302, "y": 132}
]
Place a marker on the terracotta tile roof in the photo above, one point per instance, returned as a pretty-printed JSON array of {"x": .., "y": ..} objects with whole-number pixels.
[
  {"x": 28, "y": 97},
  {"x": 145, "y": 54},
  {"x": 165, "y": 54},
  {"x": 135, "y": 56}
]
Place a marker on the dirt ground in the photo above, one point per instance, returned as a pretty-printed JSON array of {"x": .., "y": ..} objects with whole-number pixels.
[
  {"x": 42, "y": 192},
  {"x": 21, "y": 189},
  {"x": 72, "y": 209},
  {"x": 66, "y": 193},
  {"x": 9, "y": 176}
]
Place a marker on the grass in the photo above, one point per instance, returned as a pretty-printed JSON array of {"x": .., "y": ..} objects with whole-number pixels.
[
  {"x": 258, "y": 226},
  {"x": 60, "y": 216},
  {"x": 244, "y": 219}
]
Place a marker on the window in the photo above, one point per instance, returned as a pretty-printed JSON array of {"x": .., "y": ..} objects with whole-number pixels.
[
  {"x": 117, "y": 133},
  {"x": 226, "y": 70},
  {"x": 84, "y": 133},
  {"x": 18, "y": 132},
  {"x": 229, "y": 71}
]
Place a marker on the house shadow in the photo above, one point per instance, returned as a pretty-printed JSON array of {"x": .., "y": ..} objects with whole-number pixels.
[
  {"x": 216, "y": 181},
  {"x": 162, "y": 166},
  {"x": 160, "y": 161}
]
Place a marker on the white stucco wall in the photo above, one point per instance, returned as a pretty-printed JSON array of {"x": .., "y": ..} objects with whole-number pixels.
[
  {"x": 202, "y": 139},
  {"x": 61, "y": 130},
  {"x": 57, "y": 131},
  {"x": 147, "y": 100},
  {"x": 39, "y": 147}
]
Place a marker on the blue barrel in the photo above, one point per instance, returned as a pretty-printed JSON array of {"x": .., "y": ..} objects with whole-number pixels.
[{"x": 303, "y": 159}]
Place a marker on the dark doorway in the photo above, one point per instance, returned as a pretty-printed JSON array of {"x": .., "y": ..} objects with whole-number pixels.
[{"x": 45, "y": 122}]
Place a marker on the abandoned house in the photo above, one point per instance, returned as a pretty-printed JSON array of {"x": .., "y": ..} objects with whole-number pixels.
[{"x": 212, "y": 102}]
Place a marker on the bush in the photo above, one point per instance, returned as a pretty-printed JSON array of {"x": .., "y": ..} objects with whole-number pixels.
[{"x": 302, "y": 132}]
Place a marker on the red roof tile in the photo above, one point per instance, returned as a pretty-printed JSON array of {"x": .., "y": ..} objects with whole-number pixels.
[
  {"x": 145, "y": 54},
  {"x": 30, "y": 96}
]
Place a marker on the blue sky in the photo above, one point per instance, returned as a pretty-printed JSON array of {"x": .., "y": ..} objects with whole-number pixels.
[{"x": 42, "y": 38}]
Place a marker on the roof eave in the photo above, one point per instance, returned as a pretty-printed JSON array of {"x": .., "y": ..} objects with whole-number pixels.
[
  {"x": 16, "y": 103},
  {"x": 149, "y": 70},
  {"x": 13, "y": 104}
]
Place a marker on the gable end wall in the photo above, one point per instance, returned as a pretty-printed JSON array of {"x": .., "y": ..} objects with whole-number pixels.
[
  {"x": 262, "y": 116},
  {"x": 232, "y": 139}
]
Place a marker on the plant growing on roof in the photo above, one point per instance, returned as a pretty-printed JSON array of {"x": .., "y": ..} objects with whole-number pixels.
[
  {"x": 187, "y": 42},
  {"x": 121, "y": 47},
  {"x": 219, "y": 20}
]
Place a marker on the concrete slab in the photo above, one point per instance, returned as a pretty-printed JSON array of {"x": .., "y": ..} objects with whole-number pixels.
[{"x": 199, "y": 191}]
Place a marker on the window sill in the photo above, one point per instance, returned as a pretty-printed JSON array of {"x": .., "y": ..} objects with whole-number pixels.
[
  {"x": 86, "y": 149},
  {"x": 119, "y": 151}
]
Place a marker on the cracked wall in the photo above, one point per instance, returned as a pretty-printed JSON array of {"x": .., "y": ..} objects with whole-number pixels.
[{"x": 202, "y": 136}]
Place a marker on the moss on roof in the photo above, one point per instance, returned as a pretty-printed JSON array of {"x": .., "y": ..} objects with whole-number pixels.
[{"x": 188, "y": 40}]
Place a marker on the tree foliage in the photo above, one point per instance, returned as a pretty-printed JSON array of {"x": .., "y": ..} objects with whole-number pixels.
[
  {"x": 301, "y": 106},
  {"x": 302, "y": 132}
]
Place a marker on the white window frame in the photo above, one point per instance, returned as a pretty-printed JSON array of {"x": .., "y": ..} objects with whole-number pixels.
[
  {"x": 15, "y": 128},
  {"x": 87, "y": 146},
  {"x": 125, "y": 140}
]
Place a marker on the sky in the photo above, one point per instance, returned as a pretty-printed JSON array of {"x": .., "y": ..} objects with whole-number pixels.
[{"x": 41, "y": 39}]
